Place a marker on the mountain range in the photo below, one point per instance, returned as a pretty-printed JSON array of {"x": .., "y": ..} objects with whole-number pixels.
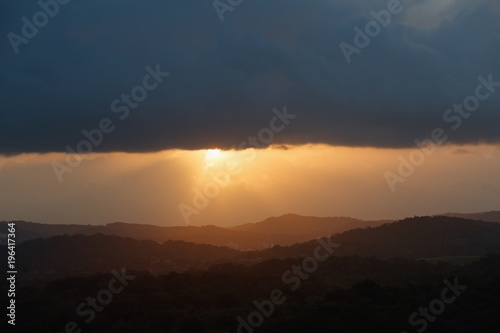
[
  {"x": 283, "y": 230},
  {"x": 411, "y": 238}
]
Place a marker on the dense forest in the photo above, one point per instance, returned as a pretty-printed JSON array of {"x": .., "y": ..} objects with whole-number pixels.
[{"x": 345, "y": 294}]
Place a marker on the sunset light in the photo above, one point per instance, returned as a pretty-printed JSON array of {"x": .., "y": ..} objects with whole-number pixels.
[
  {"x": 250, "y": 166},
  {"x": 212, "y": 156}
]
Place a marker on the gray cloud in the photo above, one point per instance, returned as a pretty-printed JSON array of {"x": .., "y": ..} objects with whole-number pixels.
[{"x": 225, "y": 78}]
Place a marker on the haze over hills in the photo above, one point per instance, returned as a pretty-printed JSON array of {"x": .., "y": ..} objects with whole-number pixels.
[
  {"x": 412, "y": 238},
  {"x": 284, "y": 230},
  {"x": 493, "y": 216},
  {"x": 101, "y": 253},
  {"x": 417, "y": 237},
  {"x": 308, "y": 226},
  {"x": 170, "y": 286}
]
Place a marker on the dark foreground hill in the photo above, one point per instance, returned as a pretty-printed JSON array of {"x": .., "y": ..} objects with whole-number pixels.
[{"x": 344, "y": 294}]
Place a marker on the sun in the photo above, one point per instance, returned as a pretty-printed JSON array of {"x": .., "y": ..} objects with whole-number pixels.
[
  {"x": 212, "y": 156},
  {"x": 213, "y": 153}
]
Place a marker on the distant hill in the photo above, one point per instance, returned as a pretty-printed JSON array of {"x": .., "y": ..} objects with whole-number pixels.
[
  {"x": 284, "y": 230},
  {"x": 31, "y": 230},
  {"x": 418, "y": 237},
  {"x": 414, "y": 238},
  {"x": 201, "y": 235},
  {"x": 101, "y": 253},
  {"x": 493, "y": 216},
  {"x": 308, "y": 226}
]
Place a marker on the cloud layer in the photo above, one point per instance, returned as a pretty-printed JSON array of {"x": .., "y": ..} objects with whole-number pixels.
[{"x": 226, "y": 77}]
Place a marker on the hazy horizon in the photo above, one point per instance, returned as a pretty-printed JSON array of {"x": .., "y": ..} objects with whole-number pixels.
[{"x": 310, "y": 180}]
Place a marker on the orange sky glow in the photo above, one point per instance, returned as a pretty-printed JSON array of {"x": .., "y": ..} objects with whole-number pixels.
[{"x": 224, "y": 188}]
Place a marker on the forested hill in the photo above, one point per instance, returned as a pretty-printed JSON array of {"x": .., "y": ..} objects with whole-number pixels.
[{"x": 419, "y": 237}]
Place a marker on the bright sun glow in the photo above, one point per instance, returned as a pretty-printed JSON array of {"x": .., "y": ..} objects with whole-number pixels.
[
  {"x": 211, "y": 157},
  {"x": 213, "y": 153}
]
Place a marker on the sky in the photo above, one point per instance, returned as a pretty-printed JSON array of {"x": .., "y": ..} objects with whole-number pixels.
[{"x": 109, "y": 109}]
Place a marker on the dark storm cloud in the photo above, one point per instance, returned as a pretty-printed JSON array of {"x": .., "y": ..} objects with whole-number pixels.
[{"x": 226, "y": 77}]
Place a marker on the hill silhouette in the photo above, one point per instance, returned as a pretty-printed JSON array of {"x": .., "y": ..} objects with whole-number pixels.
[
  {"x": 101, "y": 253},
  {"x": 284, "y": 230},
  {"x": 493, "y": 216},
  {"x": 307, "y": 226},
  {"x": 186, "y": 287},
  {"x": 418, "y": 237}
]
